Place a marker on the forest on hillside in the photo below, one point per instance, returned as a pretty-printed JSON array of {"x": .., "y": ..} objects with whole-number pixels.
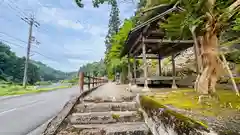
[
  {"x": 94, "y": 69},
  {"x": 12, "y": 68}
]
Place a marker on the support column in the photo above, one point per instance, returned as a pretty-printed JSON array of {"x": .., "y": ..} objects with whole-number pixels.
[
  {"x": 159, "y": 66},
  {"x": 174, "y": 86},
  {"x": 129, "y": 72},
  {"x": 81, "y": 81},
  {"x": 145, "y": 66},
  {"x": 135, "y": 70}
]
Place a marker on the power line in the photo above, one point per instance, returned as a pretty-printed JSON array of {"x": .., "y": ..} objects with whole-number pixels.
[
  {"x": 16, "y": 7},
  {"x": 45, "y": 56},
  {"x": 11, "y": 43},
  {"x": 13, "y": 37},
  {"x": 22, "y": 15}
]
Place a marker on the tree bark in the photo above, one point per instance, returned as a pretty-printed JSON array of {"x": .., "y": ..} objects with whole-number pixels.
[{"x": 211, "y": 63}]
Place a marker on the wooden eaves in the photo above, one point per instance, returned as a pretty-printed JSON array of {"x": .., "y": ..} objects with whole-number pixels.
[{"x": 152, "y": 36}]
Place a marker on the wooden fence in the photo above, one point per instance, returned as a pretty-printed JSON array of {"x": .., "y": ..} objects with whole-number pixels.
[{"x": 94, "y": 81}]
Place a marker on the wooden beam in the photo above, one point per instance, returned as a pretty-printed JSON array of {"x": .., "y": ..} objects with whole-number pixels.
[
  {"x": 155, "y": 18},
  {"x": 175, "y": 49},
  {"x": 137, "y": 49},
  {"x": 156, "y": 32},
  {"x": 135, "y": 43},
  {"x": 168, "y": 41},
  {"x": 155, "y": 7},
  {"x": 146, "y": 57}
]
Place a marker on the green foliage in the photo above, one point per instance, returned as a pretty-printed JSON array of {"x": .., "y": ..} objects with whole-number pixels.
[
  {"x": 94, "y": 69},
  {"x": 112, "y": 58},
  {"x": 113, "y": 25},
  {"x": 233, "y": 56}
]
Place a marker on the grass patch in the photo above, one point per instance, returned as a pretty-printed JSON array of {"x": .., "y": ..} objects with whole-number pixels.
[
  {"x": 187, "y": 99},
  {"x": 19, "y": 90}
]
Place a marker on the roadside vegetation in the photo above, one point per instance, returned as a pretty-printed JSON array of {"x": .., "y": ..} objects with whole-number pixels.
[{"x": 15, "y": 89}]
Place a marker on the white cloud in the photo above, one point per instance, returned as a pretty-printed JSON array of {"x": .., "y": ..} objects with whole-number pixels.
[
  {"x": 70, "y": 24},
  {"x": 96, "y": 30},
  {"x": 59, "y": 17}
]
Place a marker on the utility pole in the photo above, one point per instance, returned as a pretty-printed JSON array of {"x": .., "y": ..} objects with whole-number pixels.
[{"x": 31, "y": 22}]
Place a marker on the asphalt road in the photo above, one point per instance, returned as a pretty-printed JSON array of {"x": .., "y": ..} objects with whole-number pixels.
[{"x": 21, "y": 115}]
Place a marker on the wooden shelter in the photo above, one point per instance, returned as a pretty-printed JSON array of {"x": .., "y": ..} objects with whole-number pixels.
[{"x": 149, "y": 38}]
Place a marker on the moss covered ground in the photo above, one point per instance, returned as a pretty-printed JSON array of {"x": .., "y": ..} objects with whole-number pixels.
[{"x": 187, "y": 99}]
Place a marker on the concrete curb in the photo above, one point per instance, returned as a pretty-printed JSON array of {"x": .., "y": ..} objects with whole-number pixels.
[
  {"x": 38, "y": 130},
  {"x": 55, "y": 123}
]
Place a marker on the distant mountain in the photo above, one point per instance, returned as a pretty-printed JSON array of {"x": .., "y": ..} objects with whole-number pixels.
[
  {"x": 50, "y": 74},
  {"x": 12, "y": 69}
]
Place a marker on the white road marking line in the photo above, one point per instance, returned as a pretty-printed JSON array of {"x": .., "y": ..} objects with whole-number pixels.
[
  {"x": 20, "y": 107},
  {"x": 1, "y": 113}
]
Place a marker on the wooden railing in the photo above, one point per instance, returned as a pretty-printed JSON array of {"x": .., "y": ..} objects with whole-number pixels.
[{"x": 94, "y": 81}]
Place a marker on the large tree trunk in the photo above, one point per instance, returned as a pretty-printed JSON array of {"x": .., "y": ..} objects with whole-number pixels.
[{"x": 211, "y": 63}]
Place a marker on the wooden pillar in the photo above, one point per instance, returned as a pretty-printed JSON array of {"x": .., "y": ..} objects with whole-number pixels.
[
  {"x": 93, "y": 81},
  {"x": 89, "y": 83},
  {"x": 145, "y": 65},
  {"x": 174, "y": 86},
  {"x": 129, "y": 72},
  {"x": 159, "y": 66},
  {"x": 81, "y": 81},
  {"x": 135, "y": 70}
]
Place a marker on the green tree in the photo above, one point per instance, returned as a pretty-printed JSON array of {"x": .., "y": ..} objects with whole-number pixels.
[{"x": 113, "y": 25}]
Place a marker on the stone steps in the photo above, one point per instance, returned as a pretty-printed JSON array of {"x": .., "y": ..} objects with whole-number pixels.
[
  {"x": 105, "y": 117},
  {"x": 108, "y": 99},
  {"x": 131, "y": 128},
  {"x": 105, "y": 106},
  {"x": 109, "y": 116}
]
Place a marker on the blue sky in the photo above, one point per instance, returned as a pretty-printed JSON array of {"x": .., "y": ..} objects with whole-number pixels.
[{"x": 69, "y": 36}]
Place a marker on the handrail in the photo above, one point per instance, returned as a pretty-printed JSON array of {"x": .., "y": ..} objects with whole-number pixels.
[{"x": 95, "y": 81}]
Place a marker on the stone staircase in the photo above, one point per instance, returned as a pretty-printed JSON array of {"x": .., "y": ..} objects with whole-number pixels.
[{"x": 109, "y": 116}]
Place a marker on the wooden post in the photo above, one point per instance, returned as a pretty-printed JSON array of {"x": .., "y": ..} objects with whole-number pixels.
[
  {"x": 93, "y": 81},
  {"x": 89, "y": 82},
  {"x": 129, "y": 72},
  {"x": 81, "y": 81},
  {"x": 135, "y": 70},
  {"x": 145, "y": 65},
  {"x": 174, "y": 86},
  {"x": 159, "y": 66}
]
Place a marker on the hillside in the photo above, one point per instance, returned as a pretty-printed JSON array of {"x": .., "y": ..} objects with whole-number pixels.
[
  {"x": 12, "y": 68},
  {"x": 50, "y": 74},
  {"x": 94, "y": 68}
]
